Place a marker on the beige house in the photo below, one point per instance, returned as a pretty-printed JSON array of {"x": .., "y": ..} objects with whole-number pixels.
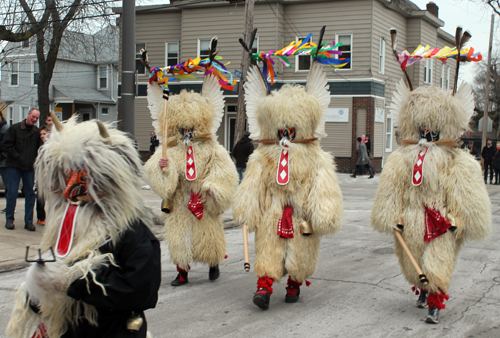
[{"x": 361, "y": 92}]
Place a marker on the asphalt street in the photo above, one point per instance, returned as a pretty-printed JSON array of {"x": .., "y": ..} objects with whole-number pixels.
[{"x": 357, "y": 290}]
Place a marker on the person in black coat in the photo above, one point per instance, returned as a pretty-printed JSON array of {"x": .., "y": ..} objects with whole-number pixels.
[
  {"x": 496, "y": 163},
  {"x": 487, "y": 154},
  {"x": 241, "y": 152},
  {"x": 153, "y": 143}
]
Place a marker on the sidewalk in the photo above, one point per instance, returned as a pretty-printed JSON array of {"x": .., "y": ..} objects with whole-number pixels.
[{"x": 13, "y": 242}]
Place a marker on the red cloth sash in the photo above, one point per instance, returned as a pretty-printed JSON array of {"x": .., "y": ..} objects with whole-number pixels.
[
  {"x": 418, "y": 169},
  {"x": 196, "y": 205},
  {"x": 435, "y": 224},
  {"x": 437, "y": 300},
  {"x": 190, "y": 164},
  {"x": 283, "y": 173},
  {"x": 67, "y": 230},
  {"x": 285, "y": 224}
]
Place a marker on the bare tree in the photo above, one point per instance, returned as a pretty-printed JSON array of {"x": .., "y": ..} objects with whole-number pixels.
[
  {"x": 50, "y": 21},
  {"x": 494, "y": 4}
]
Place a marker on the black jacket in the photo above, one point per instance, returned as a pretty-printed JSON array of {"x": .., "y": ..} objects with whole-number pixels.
[
  {"x": 133, "y": 286},
  {"x": 3, "y": 130},
  {"x": 496, "y": 160},
  {"x": 488, "y": 153},
  {"x": 21, "y": 145},
  {"x": 154, "y": 142},
  {"x": 242, "y": 151}
]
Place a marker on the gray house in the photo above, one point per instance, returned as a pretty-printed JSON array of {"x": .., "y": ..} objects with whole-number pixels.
[
  {"x": 85, "y": 79},
  {"x": 360, "y": 92}
]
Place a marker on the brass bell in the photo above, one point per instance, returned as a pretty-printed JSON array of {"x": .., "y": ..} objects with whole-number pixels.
[
  {"x": 306, "y": 228},
  {"x": 134, "y": 322},
  {"x": 166, "y": 206}
]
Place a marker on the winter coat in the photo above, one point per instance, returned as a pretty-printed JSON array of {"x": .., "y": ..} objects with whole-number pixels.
[
  {"x": 242, "y": 151},
  {"x": 488, "y": 153},
  {"x": 362, "y": 155},
  {"x": 496, "y": 160},
  {"x": 130, "y": 287},
  {"x": 4, "y": 126},
  {"x": 154, "y": 143},
  {"x": 21, "y": 145}
]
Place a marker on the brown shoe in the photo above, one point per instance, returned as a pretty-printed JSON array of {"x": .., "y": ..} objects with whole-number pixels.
[
  {"x": 10, "y": 225},
  {"x": 29, "y": 227}
]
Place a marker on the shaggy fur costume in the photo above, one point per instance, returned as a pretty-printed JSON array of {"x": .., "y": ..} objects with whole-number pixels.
[
  {"x": 189, "y": 239},
  {"x": 113, "y": 182},
  {"x": 312, "y": 191},
  {"x": 452, "y": 184}
]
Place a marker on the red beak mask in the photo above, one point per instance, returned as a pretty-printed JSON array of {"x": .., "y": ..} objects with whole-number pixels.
[{"x": 76, "y": 184}]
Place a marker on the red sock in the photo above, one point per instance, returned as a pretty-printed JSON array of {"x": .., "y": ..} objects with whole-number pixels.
[{"x": 266, "y": 283}]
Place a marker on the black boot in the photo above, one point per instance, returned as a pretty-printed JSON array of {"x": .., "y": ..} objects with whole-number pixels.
[
  {"x": 432, "y": 316},
  {"x": 181, "y": 279},
  {"x": 261, "y": 298},
  {"x": 214, "y": 273},
  {"x": 292, "y": 294},
  {"x": 422, "y": 299}
]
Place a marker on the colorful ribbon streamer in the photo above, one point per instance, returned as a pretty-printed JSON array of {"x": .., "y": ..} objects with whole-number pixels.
[
  {"x": 425, "y": 53},
  {"x": 186, "y": 69}
]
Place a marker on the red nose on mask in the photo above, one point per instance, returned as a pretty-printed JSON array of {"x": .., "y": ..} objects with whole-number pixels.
[{"x": 76, "y": 184}]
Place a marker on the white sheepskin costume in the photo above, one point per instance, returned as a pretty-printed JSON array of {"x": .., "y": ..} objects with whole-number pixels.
[
  {"x": 312, "y": 190},
  {"x": 191, "y": 239},
  {"x": 113, "y": 183},
  {"x": 452, "y": 185}
]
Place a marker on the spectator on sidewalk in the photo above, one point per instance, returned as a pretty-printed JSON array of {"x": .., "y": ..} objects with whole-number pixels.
[
  {"x": 496, "y": 163},
  {"x": 153, "y": 143},
  {"x": 3, "y": 156},
  {"x": 21, "y": 143},
  {"x": 487, "y": 154},
  {"x": 363, "y": 159},
  {"x": 40, "y": 201},
  {"x": 49, "y": 123},
  {"x": 241, "y": 152}
]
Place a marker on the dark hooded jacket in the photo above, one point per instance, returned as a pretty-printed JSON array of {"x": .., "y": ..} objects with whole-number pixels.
[
  {"x": 242, "y": 151},
  {"x": 488, "y": 153},
  {"x": 21, "y": 143}
]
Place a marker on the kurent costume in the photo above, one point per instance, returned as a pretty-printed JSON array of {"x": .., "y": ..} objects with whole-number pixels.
[
  {"x": 290, "y": 185},
  {"x": 107, "y": 262},
  {"x": 200, "y": 178},
  {"x": 431, "y": 191}
]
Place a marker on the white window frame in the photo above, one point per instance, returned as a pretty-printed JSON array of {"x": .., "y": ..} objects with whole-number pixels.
[
  {"x": 178, "y": 52},
  {"x": 442, "y": 76},
  {"x": 99, "y": 77},
  {"x": 199, "y": 43},
  {"x": 10, "y": 116},
  {"x": 381, "y": 56},
  {"x": 388, "y": 135},
  {"x": 11, "y": 73},
  {"x": 33, "y": 84},
  {"x": 350, "y": 51},
  {"x": 25, "y": 44},
  {"x": 104, "y": 108},
  {"x": 21, "y": 112},
  {"x": 428, "y": 72},
  {"x": 297, "y": 70},
  {"x": 137, "y": 54},
  {"x": 448, "y": 77}
]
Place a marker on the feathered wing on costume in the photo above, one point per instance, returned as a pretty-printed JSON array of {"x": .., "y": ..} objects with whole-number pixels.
[{"x": 113, "y": 168}]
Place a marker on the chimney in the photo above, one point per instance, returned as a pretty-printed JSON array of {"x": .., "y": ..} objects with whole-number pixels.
[{"x": 433, "y": 9}]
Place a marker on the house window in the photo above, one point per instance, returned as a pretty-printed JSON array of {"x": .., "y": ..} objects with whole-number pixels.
[
  {"x": 36, "y": 72},
  {"x": 448, "y": 77},
  {"x": 203, "y": 48},
  {"x": 24, "y": 112},
  {"x": 428, "y": 71},
  {"x": 302, "y": 62},
  {"x": 14, "y": 73},
  {"x": 103, "y": 77},
  {"x": 139, "y": 66},
  {"x": 172, "y": 53},
  {"x": 442, "y": 77},
  {"x": 381, "y": 57},
  {"x": 10, "y": 116},
  {"x": 388, "y": 134},
  {"x": 346, "y": 49},
  {"x": 104, "y": 111},
  {"x": 25, "y": 44}
]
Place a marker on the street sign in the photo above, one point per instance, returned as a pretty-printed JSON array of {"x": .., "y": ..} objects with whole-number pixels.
[{"x": 238, "y": 73}]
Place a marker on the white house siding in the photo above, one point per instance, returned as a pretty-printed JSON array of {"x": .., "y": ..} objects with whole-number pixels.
[
  {"x": 378, "y": 137},
  {"x": 339, "y": 137}
]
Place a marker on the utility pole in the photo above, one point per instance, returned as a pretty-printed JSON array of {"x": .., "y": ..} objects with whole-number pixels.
[
  {"x": 487, "y": 90},
  {"x": 128, "y": 68},
  {"x": 239, "y": 127}
]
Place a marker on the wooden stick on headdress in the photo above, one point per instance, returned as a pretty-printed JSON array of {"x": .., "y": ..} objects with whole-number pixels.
[
  {"x": 460, "y": 41},
  {"x": 394, "y": 42},
  {"x": 248, "y": 49}
]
